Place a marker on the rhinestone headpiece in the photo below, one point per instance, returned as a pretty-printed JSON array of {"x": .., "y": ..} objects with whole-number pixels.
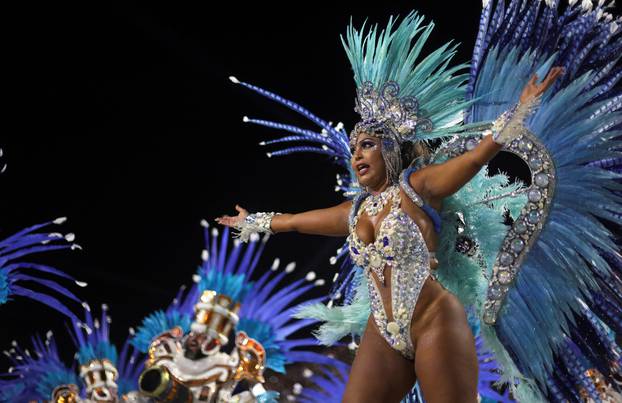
[{"x": 386, "y": 115}]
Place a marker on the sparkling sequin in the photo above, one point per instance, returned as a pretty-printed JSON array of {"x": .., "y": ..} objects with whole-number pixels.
[{"x": 401, "y": 246}]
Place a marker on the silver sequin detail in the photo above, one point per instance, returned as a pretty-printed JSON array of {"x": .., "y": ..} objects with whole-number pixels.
[{"x": 410, "y": 192}]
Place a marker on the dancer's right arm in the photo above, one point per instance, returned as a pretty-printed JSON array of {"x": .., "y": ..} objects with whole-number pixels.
[{"x": 332, "y": 221}]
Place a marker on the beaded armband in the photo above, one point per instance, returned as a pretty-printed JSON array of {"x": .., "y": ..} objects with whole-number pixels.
[
  {"x": 508, "y": 126},
  {"x": 253, "y": 224}
]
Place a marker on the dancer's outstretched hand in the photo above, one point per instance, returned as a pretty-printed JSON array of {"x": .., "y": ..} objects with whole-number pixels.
[
  {"x": 230, "y": 221},
  {"x": 534, "y": 89}
]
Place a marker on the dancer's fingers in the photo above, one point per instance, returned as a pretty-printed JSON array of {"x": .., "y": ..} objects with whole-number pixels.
[
  {"x": 533, "y": 80},
  {"x": 550, "y": 78}
]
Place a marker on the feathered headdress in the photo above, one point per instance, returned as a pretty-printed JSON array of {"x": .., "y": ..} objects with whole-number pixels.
[{"x": 399, "y": 95}]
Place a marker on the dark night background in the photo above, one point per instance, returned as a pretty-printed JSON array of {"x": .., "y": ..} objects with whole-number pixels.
[{"x": 121, "y": 117}]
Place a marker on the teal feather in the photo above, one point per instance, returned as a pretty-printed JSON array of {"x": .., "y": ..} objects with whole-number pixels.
[
  {"x": 459, "y": 273},
  {"x": 394, "y": 55},
  {"x": 343, "y": 320},
  {"x": 103, "y": 349},
  {"x": 236, "y": 286}
]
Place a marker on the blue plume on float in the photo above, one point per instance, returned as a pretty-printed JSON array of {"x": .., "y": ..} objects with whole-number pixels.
[
  {"x": 267, "y": 303},
  {"x": 91, "y": 337},
  {"x": 35, "y": 373},
  {"x": 236, "y": 286},
  {"x": 15, "y": 274},
  {"x": 157, "y": 323},
  {"x": 130, "y": 365},
  {"x": 579, "y": 122}
]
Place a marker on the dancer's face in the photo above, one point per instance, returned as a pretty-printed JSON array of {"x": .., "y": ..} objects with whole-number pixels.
[{"x": 367, "y": 162}]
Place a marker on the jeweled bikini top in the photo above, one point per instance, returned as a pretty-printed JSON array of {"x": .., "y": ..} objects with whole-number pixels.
[{"x": 397, "y": 241}]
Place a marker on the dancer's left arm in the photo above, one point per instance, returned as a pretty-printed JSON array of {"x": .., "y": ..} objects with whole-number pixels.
[{"x": 442, "y": 180}]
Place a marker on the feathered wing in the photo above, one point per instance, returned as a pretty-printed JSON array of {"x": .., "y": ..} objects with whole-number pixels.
[
  {"x": 553, "y": 293},
  {"x": 91, "y": 338}
]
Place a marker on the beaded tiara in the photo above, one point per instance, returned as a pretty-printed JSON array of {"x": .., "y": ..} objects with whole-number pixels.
[{"x": 386, "y": 115}]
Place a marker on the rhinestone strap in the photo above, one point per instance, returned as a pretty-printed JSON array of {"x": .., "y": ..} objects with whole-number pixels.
[
  {"x": 253, "y": 224},
  {"x": 410, "y": 192}
]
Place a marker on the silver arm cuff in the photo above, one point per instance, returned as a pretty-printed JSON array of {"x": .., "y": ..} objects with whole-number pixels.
[
  {"x": 253, "y": 224},
  {"x": 508, "y": 126}
]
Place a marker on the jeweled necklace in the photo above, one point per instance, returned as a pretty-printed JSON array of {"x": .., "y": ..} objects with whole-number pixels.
[{"x": 375, "y": 203}]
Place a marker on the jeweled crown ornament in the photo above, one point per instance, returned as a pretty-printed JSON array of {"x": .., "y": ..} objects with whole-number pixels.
[{"x": 386, "y": 114}]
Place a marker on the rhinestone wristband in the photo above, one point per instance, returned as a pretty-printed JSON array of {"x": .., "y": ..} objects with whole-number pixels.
[
  {"x": 508, "y": 126},
  {"x": 253, "y": 224}
]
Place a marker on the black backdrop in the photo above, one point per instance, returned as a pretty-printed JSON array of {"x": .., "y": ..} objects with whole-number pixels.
[{"x": 121, "y": 117}]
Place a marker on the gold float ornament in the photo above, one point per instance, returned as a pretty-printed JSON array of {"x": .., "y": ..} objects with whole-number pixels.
[
  {"x": 66, "y": 394},
  {"x": 181, "y": 366},
  {"x": 252, "y": 358},
  {"x": 215, "y": 314},
  {"x": 100, "y": 378},
  {"x": 165, "y": 346}
]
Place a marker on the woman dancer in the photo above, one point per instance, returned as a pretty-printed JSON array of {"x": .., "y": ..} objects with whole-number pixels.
[{"x": 429, "y": 325}]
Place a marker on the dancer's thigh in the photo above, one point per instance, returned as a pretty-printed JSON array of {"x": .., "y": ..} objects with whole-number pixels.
[
  {"x": 445, "y": 356},
  {"x": 379, "y": 373}
]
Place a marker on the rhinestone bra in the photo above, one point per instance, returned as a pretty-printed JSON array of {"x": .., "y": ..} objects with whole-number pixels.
[{"x": 400, "y": 245}]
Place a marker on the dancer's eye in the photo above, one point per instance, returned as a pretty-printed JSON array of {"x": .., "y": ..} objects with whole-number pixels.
[{"x": 367, "y": 144}]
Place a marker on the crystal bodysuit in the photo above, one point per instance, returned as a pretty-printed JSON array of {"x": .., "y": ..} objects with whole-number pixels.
[{"x": 400, "y": 245}]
